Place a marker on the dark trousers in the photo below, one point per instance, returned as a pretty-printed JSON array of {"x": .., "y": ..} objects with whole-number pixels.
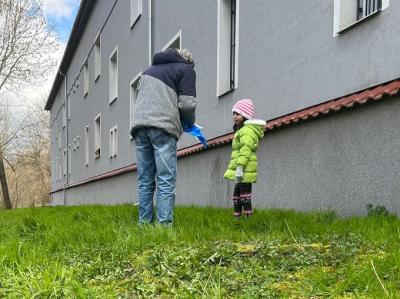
[{"x": 242, "y": 199}]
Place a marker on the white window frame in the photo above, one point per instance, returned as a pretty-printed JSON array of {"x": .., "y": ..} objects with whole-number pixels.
[
  {"x": 59, "y": 141},
  {"x": 113, "y": 142},
  {"x": 345, "y": 15},
  {"x": 136, "y": 12},
  {"x": 113, "y": 76},
  {"x": 86, "y": 78},
  {"x": 65, "y": 162},
  {"x": 177, "y": 36},
  {"x": 64, "y": 116},
  {"x": 223, "y": 58},
  {"x": 97, "y": 57},
  {"x": 69, "y": 160},
  {"x": 87, "y": 146},
  {"x": 133, "y": 97},
  {"x": 59, "y": 172},
  {"x": 68, "y": 108},
  {"x": 97, "y": 137},
  {"x": 55, "y": 169}
]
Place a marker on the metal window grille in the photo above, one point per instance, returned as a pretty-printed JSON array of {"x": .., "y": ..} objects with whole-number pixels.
[
  {"x": 233, "y": 44},
  {"x": 367, "y": 7}
]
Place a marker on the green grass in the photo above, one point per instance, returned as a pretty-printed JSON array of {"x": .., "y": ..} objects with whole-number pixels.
[{"x": 100, "y": 252}]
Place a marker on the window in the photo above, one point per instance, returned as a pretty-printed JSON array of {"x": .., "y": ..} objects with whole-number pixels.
[
  {"x": 55, "y": 169},
  {"x": 97, "y": 136},
  {"x": 64, "y": 116},
  {"x": 86, "y": 146},
  {"x": 367, "y": 7},
  {"x": 69, "y": 159},
  {"x": 65, "y": 162},
  {"x": 97, "y": 58},
  {"x": 136, "y": 11},
  {"x": 85, "y": 78},
  {"x": 68, "y": 108},
  {"x": 133, "y": 96},
  {"x": 113, "y": 76},
  {"x": 227, "y": 45},
  {"x": 175, "y": 42},
  {"x": 351, "y": 12},
  {"x": 59, "y": 172},
  {"x": 113, "y": 141}
]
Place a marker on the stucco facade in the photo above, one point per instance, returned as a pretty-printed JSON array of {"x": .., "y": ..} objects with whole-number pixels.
[{"x": 288, "y": 58}]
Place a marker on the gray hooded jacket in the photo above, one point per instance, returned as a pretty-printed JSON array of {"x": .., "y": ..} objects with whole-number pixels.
[{"x": 166, "y": 95}]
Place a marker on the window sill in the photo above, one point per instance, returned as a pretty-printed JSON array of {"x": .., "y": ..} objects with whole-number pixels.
[
  {"x": 97, "y": 78},
  {"x": 358, "y": 22},
  {"x": 85, "y": 94},
  {"x": 226, "y": 93},
  {"x": 113, "y": 100},
  {"x": 133, "y": 22}
]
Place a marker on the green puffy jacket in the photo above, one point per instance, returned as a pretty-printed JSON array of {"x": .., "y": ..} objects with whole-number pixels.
[{"x": 244, "y": 148}]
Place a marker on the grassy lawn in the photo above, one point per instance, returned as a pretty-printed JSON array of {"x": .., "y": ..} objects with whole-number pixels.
[{"x": 99, "y": 252}]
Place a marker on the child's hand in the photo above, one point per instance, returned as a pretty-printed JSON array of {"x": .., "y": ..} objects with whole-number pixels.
[{"x": 239, "y": 174}]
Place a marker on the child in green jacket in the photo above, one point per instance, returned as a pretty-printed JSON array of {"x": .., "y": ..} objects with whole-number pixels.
[{"x": 243, "y": 164}]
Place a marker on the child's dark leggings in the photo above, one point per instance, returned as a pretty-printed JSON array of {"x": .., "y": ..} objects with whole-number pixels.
[{"x": 242, "y": 199}]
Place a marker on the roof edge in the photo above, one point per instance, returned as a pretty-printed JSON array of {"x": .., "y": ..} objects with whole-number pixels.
[{"x": 81, "y": 19}]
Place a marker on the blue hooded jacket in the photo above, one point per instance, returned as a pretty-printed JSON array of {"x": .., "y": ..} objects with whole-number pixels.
[{"x": 166, "y": 94}]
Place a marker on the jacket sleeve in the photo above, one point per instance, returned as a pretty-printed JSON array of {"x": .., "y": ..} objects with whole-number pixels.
[
  {"x": 247, "y": 142},
  {"x": 187, "y": 96}
]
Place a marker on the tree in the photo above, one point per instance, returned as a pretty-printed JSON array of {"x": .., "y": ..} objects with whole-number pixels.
[
  {"x": 25, "y": 43},
  {"x": 29, "y": 160}
]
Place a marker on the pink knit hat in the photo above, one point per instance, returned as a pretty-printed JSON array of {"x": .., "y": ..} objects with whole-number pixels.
[{"x": 244, "y": 107}]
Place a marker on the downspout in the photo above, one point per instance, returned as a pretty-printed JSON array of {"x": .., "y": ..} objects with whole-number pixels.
[
  {"x": 150, "y": 37},
  {"x": 66, "y": 137}
]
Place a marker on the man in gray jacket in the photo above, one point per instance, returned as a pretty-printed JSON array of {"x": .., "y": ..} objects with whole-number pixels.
[{"x": 166, "y": 100}]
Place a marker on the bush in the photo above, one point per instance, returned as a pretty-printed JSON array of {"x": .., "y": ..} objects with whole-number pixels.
[{"x": 377, "y": 211}]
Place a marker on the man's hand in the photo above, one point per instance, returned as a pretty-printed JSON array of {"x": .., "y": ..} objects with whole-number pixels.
[{"x": 239, "y": 174}]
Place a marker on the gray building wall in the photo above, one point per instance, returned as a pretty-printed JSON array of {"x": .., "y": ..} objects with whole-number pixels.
[
  {"x": 288, "y": 59},
  {"x": 339, "y": 162}
]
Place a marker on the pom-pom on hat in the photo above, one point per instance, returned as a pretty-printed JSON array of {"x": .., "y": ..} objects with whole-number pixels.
[{"x": 244, "y": 107}]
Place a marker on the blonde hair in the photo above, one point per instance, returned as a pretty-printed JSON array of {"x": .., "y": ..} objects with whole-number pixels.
[{"x": 185, "y": 54}]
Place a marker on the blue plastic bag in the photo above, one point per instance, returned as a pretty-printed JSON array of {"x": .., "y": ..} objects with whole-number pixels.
[{"x": 195, "y": 131}]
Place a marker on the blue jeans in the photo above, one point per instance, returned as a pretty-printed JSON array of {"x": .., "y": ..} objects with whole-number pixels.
[{"x": 156, "y": 166}]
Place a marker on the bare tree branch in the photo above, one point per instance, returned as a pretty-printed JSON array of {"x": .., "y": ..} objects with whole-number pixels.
[{"x": 26, "y": 41}]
